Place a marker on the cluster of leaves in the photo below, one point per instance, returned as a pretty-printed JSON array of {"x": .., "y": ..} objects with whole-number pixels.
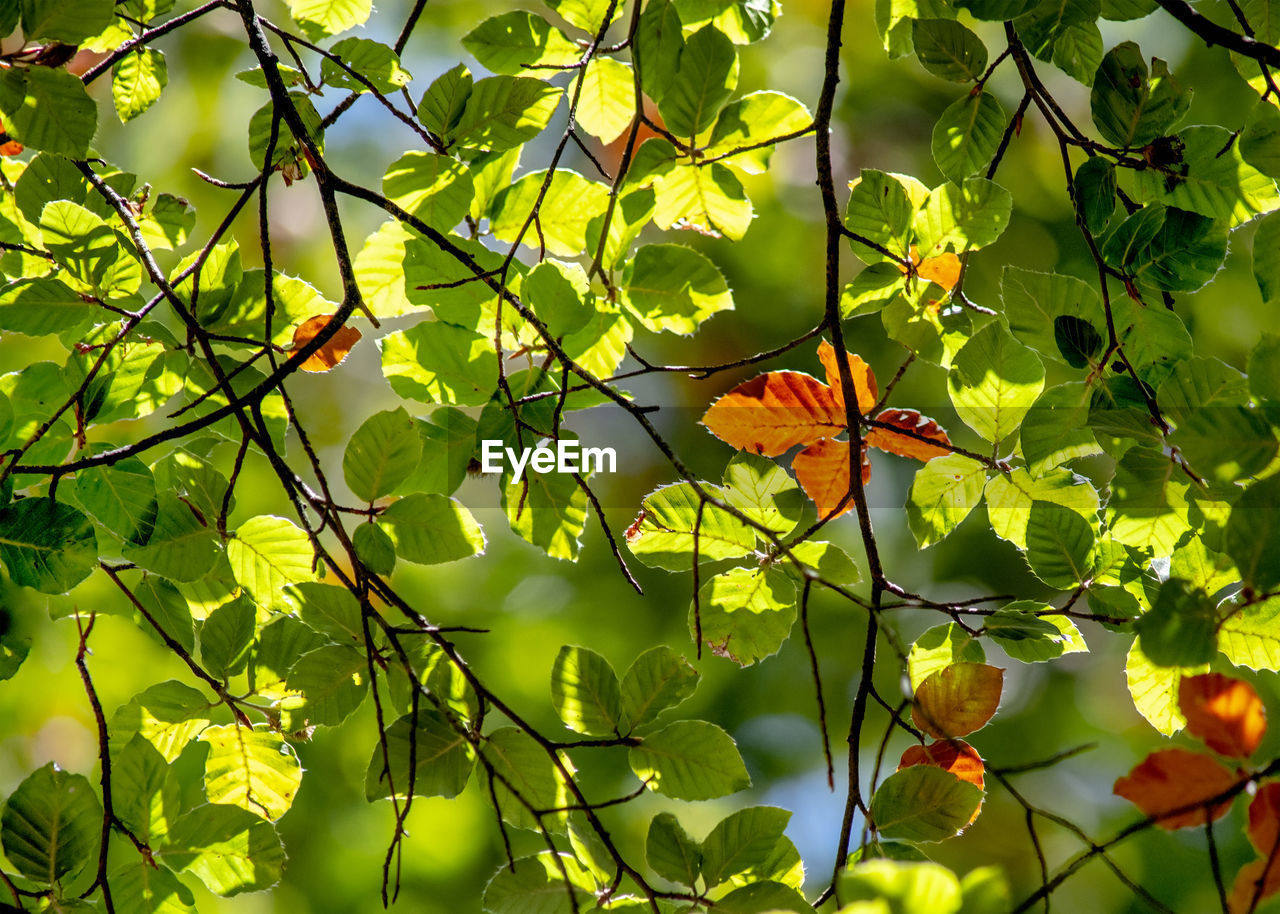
[{"x": 1137, "y": 478}]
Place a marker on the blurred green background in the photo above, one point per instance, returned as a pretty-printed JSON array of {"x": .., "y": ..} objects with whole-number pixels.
[{"x": 533, "y": 605}]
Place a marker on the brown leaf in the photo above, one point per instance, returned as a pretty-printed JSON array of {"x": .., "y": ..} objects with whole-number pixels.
[
  {"x": 9, "y": 147},
  {"x": 1171, "y": 779},
  {"x": 957, "y": 699},
  {"x": 1264, "y": 819},
  {"x": 954, "y": 755},
  {"x": 1226, "y": 713},
  {"x": 907, "y": 445},
  {"x": 772, "y": 413},
  {"x": 331, "y": 354},
  {"x": 822, "y": 469},
  {"x": 1256, "y": 881},
  {"x": 864, "y": 380},
  {"x": 943, "y": 269}
]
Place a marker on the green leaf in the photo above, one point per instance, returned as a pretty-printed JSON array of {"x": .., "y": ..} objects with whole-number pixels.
[
  {"x": 1217, "y": 433},
  {"x": 445, "y": 99},
  {"x": 145, "y": 792},
  {"x": 1131, "y": 107},
  {"x": 759, "y": 897},
  {"x": 675, "y": 288},
  {"x": 376, "y": 62},
  {"x": 381, "y": 454},
  {"x": 923, "y": 803},
  {"x": 671, "y": 853},
  {"x": 168, "y": 608},
  {"x": 967, "y": 135},
  {"x": 51, "y": 824},
  {"x": 994, "y": 380},
  {"x": 568, "y": 204},
  {"x": 121, "y": 497},
  {"x": 905, "y": 885},
  {"x": 943, "y": 493},
  {"x": 448, "y": 443},
  {"x": 560, "y": 294},
  {"x": 548, "y": 510},
  {"x": 329, "y": 17},
  {"x": 167, "y": 715},
  {"x": 1266, "y": 262},
  {"x": 1034, "y": 302},
  {"x": 137, "y": 81},
  {"x": 948, "y": 49},
  {"x": 587, "y": 15},
  {"x": 516, "y": 42},
  {"x": 1209, "y": 176},
  {"x": 703, "y": 81},
  {"x": 333, "y": 681},
  {"x": 537, "y": 885},
  {"x": 67, "y": 21},
  {"x": 89, "y": 249},
  {"x": 435, "y": 188},
  {"x": 828, "y": 560},
  {"x": 46, "y": 545},
  {"x": 1059, "y": 545},
  {"x": 938, "y": 648},
  {"x": 39, "y": 306},
  {"x": 182, "y": 546},
  {"x": 1253, "y": 535},
  {"x": 330, "y": 610},
  {"x": 228, "y": 849},
  {"x": 1180, "y": 629},
  {"x": 1079, "y": 342},
  {"x": 657, "y": 48},
  {"x": 501, "y": 112},
  {"x": 1154, "y": 690},
  {"x": 962, "y": 217},
  {"x": 585, "y": 692},
  {"x": 253, "y": 769},
  {"x": 707, "y": 198},
  {"x": 1032, "y": 632},
  {"x": 1251, "y": 636},
  {"x": 1095, "y": 196},
  {"x": 267, "y": 554},
  {"x": 1077, "y": 50},
  {"x": 664, "y": 534},
  {"x": 753, "y": 119},
  {"x": 607, "y": 101},
  {"x": 1260, "y": 142},
  {"x": 443, "y": 759},
  {"x": 1009, "y": 498},
  {"x": 1148, "y": 505},
  {"x": 880, "y": 210},
  {"x": 437, "y": 362},
  {"x": 745, "y": 613},
  {"x": 519, "y": 762},
  {"x": 741, "y": 841},
  {"x": 225, "y": 638},
  {"x": 430, "y": 529},
  {"x": 374, "y": 548},
  {"x": 288, "y": 148},
  {"x": 764, "y": 492},
  {"x": 690, "y": 760},
  {"x": 147, "y": 889},
  {"x": 657, "y": 680}
]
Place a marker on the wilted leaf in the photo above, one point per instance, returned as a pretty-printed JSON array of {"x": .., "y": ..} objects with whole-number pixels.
[
  {"x": 908, "y": 445},
  {"x": 1226, "y": 713},
  {"x": 954, "y": 755},
  {"x": 772, "y": 413},
  {"x": 1168, "y": 780},
  {"x": 958, "y": 699},
  {"x": 822, "y": 470},
  {"x": 335, "y": 349}
]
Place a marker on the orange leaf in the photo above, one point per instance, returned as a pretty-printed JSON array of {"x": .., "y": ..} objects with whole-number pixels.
[
  {"x": 957, "y": 699},
  {"x": 773, "y": 412},
  {"x": 954, "y": 755},
  {"x": 864, "y": 380},
  {"x": 1172, "y": 779},
  {"x": 908, "y": 445},
  {"x": 10, "y": 148},
  {"x": 822, "y": 470},
  {"x": 943, "y": 269},
  {"x": 1226, "y": 713},
  {"x": 332, "y": 352},
  {"x": 1255, "y": 881},
  {"x": 1264, "y": 819}
]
